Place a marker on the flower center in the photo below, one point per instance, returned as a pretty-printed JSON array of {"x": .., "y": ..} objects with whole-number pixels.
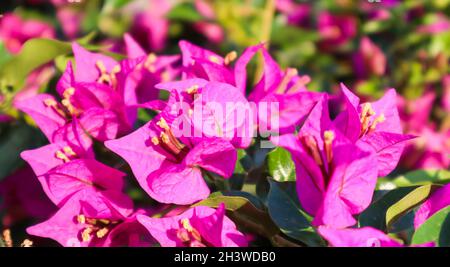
[
  {"x": 366, "y": 117},
  {"x": 106, "y": 77},
  {"x": 190, "y": 236},
  {"x": 312, "y": 148},
  {"x": 66, "y": 154},
  {"x": 230, "y": 57},
  {"x": 94, "y": 227},
  {"x": 288, "y": 75},
  {"x": 149, "y": 63},
  {"x": 169, "y": 142},
  {"x": 66, "y": 109}
]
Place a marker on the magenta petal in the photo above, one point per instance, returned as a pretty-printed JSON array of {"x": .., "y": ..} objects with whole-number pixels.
[
  {"x": 240, "y": 67},
  {"x": 348, "y": 121},
  {"x": 215, "y": 155},
  {"x": 67, "y": 79},
  {"x": 350, "y": 188},
  {"x": 46, "y": 117},
  {"x": 388, "y": 148},
  {"x": 269, "y": 81},
  {"x": 44, "y": 158},
  {"x": 215, "y": 72},
  {"x": 85, "y": 64},
  {"x": 100, "y": 123},
  {"x": 130, "y": 233},
  {"x": 73, "y": 134},
  {"x": 292, "y": 107},
  {"x": 65, "y": 180},
  {"x": 134, "y": 50},
  {"x": 190, "y": 51},
  {"x": 387, "y": 105},
  {"x": 361, "y": 237},
  {"x": 310, "y": 183},
  {"x": 163, "y": 230},
  {"x": 209, "y": 226},
  {"x": 318, "y": 121},
  {"x": 183, "y": 85},
  {"x": 137, "y": 150},
  {"x": 232, "y": 122},
  {"x": 216, "y": 228},
  {"x": 62, "y": 226},
  {"x": 177, "y": 184}
]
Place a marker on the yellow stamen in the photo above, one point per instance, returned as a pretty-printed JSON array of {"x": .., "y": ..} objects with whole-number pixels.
[
  {"x": 7, "y": 237},
  {"x": 102, "y": 232},
  {"x": 192, "y": 90},
  {"x": 165, "y": 138},
  {"x": 230, "y": 57},
  {"x": 100, "y": 66},
  {"x": 68, "y": 92},
  {"x": 86, "y": 234},
  {"x": 183, "y": 235},
  {"x": 367, "y": 111},
  {"x": 148, "y": 64},
  {"x": 60, "y": 155},
  {"x": 68, "y": 151},
  {"x": 151, "y": 58},
  {"x": 186, "y": 224},
  {"x": 155, "y": 140},
  {"x": 377, "y": 120},
  {"x": 328, "y": 137},
  {"x": 27, "y": 243},
  {"x": 163, "y": 124},
  {"x": 214, "y": 59},
  {"x": 104, "y": 221},
  {"x": 49, "y": 102},
  {"x": 305, "y": 79},
  {"x": 290, "y": 73},
  {"x": 116, "y": 69},
  {"x": 165, "y": 76},
  {"x": 311, "y": 145},
  {"x": 81, "y": 219}
]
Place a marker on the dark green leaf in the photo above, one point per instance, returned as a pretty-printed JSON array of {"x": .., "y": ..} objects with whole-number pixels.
[
  {"x": 14, "y": 140},
  {"x": 287, "y": 214}
]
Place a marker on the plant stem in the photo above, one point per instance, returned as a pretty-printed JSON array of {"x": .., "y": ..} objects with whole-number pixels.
[{"x": 266, "y": 29}]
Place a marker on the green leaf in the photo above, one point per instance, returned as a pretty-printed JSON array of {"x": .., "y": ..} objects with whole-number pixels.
[
  {"x": 34, "y": 53},
  {"x": 436, "y": 228},
  {"x": 422, "y": 177},
  {"x": 243, "y": 213},
  {"x": 115, "y": 4},
  {"x": 4, "y": 54},
  {"x": 280, "y": 164},
  {"x": 184, "y": 12},
  {"x": 407, "y": 203},
  {"x": 375, "y": 214},
  {"x": 14, "y": 140},
  {"x": 243, "y": 165},
  {"x": 287, "y": 214}
]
